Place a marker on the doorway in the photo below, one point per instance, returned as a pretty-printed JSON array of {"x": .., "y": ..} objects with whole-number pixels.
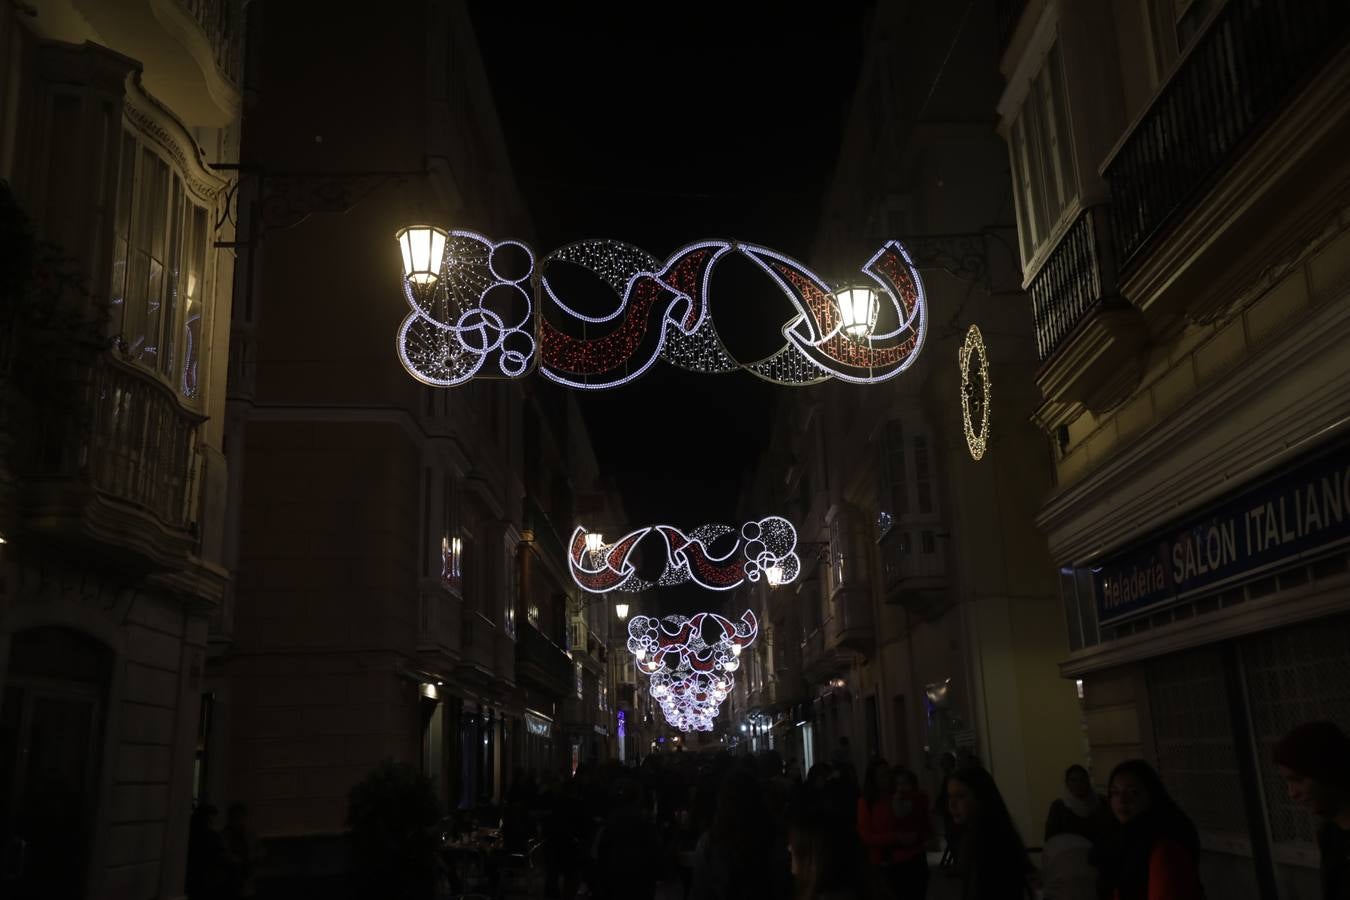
[{"x": 51, "y": 723}]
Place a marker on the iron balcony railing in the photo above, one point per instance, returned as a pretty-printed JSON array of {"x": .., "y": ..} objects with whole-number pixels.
[
  {"x": 1251, "y": 59},
  {"x": 143, "y": 446},
  {"x": 222, "y": 21},
  {"x": 1078, "y": 275}
]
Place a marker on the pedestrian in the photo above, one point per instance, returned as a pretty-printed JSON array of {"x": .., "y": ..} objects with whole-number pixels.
[
  {"x": 207, "y": 867},
  {"x": 241, "y": 851},
  {"x": 628, "y": 850},
  {"x": 828, "y": 863},
  {"x": 991, "y": 859},
  {"x": 1155, "y": 854},
  {"x": 1078, "y": 820},
  {"x": 1314, "y": 761},
  {"x": 737, "y": 856},
  {"x": 951, "y": 832}
]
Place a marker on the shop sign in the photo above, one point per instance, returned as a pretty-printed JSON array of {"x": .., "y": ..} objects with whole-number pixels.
[
  {"x": 1300, "y": 513},
  {"x": 538, "y": 725}
]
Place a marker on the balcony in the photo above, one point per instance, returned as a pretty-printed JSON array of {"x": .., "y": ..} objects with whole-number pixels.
[
  {"x": 439, "y": 619},
  {"x": 1089, "y": 339},
  {"x": 478, "y": 649},
  {"x": 121, "y": 475},
  {"x": 1254, "y": 57},
  {"x": 1076, "y": 277},
  {"x": 541, "y": 662},
  {"x": 851, "y": 628},
  {"x": 540, "y": 529},
  {"x": 191, "y": 51},
  {"x": 910, "y": 566}
]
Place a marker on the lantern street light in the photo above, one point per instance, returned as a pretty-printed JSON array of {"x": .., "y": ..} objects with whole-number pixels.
[
  {"x": 774, "y": 576},
  {"x": 423, "y": 248},
  {"x": 858, "y": 311},
  {"x": 595, "y": 542},
  {"x": 621, "y": 610}
]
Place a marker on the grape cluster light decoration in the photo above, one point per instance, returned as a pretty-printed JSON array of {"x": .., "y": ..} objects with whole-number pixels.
[
  {"x": 481, "y": 308},
  {"x": 759, "y": 546},
  {"x": 689, "y": 676}
]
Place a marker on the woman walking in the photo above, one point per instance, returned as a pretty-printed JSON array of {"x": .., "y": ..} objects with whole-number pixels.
[
  {"x": 1155, "y": 853},
  {"x": 991, "y": 859},
  {"x": 894, "y": 826}
]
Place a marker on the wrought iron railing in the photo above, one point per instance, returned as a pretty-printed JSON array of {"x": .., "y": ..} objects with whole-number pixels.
[
  {"x": 223, "y": 23},
  {"x": 905, "y": 556},
  {"x": 1253, "y": 56},
  {"x": 143, "y": 445},
  {"x": 1073, "y": 280}
]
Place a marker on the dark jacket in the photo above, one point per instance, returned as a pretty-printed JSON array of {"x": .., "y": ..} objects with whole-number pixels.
[{"x": 1334, "y": 842}]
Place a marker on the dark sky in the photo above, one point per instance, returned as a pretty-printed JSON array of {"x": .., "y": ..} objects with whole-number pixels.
[{"x": 714, "y": 123}]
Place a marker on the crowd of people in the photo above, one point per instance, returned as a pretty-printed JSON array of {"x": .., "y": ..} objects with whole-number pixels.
[{"x": 724, "y": 827}]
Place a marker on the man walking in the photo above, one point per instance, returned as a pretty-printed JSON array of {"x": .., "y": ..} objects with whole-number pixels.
[{"x": 1314, "y": 761}]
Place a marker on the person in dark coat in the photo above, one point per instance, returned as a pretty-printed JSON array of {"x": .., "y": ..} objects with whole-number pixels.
[
  {"x": 1314, "y": 761},
  {"x": 1081, "y": 810},
  {"x": 1155, "y": 854},
  {"x": 991, "y": 858}
]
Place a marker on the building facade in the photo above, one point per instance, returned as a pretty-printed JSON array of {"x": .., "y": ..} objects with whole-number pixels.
[
  {"x": 1184, "y": 233},
  {"x": 924, "y": 621},
  {"x": 402, "y": 590},
  {"x": 118, "y": 285}
]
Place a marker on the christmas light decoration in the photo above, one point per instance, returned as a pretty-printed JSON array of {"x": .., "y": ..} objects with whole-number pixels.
[
  {"x": 690, "y": 677},
  {"x": 468, "y": 313},
  {"x": 974, "y": 361},
  {"x": 765, "y": 547},
  {"x": 467, "y": 310}
]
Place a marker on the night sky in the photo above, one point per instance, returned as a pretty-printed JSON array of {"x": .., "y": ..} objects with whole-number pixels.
[{"x": 714, "y": 125}]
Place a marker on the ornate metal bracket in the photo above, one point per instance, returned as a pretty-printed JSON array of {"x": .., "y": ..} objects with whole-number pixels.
[{"x": 285, "y": 199}]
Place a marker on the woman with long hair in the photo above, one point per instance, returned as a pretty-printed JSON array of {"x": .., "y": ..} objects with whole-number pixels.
[
  {"x": 737, "y": 856},
  {"x": 1155, "y": 853},
  {"x": 991, "y": 860},
  {"x": 828, "y": 862}
]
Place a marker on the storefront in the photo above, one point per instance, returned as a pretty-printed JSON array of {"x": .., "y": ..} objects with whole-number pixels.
[{"x": 1203, "y": 642}]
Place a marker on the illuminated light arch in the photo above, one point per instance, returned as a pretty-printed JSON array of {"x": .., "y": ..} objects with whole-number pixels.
[
  {"x": 456, "y": 331},
  {"x": 760, "y": 544}
]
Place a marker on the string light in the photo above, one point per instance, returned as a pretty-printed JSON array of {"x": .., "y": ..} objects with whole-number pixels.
[
  {"x": 766, "y": 547},
  {"x": 663, "y": 311},
  {"x": 690, "y": 678},
  {"x": 974, "y": 361}
]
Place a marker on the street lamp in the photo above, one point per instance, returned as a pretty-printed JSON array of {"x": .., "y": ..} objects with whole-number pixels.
[
  {"x": 621, "y": 610},
  {"x": 858, "y": 311},
  {"x": 595, "y": 542},
  {"x": 774, "y": 575},
  {"x": 423, "y": 248}
]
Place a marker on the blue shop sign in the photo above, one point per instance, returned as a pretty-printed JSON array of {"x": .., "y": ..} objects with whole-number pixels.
[{"x": 1303, "y": 511}]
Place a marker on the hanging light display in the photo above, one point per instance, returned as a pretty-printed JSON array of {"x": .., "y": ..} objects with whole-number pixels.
[
  {"x": 757, "y": 548},
  {"x": 690, "y": 677},
  {"x": 482, "y": 309},
  {"x": 974, "y": 361}
]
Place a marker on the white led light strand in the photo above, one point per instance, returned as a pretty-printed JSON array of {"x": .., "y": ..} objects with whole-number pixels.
[
  {"x": 974, "y": 362},
  {"x": 767, "y": 543}
]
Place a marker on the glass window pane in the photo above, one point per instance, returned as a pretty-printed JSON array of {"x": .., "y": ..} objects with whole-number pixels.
[
  {"x": 122, "y": 233},
  {"x": 194, "y": 309},
  {"x": 173, "y": 279},
  {"x": 146, "y": 278}
]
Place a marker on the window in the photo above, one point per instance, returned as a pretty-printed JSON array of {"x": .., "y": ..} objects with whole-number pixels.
[
  {"x": 577, "y": 670},
  {"x": 1044, "y": 177},
  {"x": 511, "y": 585},
  {"x": 159, "y": 275},
  {"x": 923, "y": 480}
]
